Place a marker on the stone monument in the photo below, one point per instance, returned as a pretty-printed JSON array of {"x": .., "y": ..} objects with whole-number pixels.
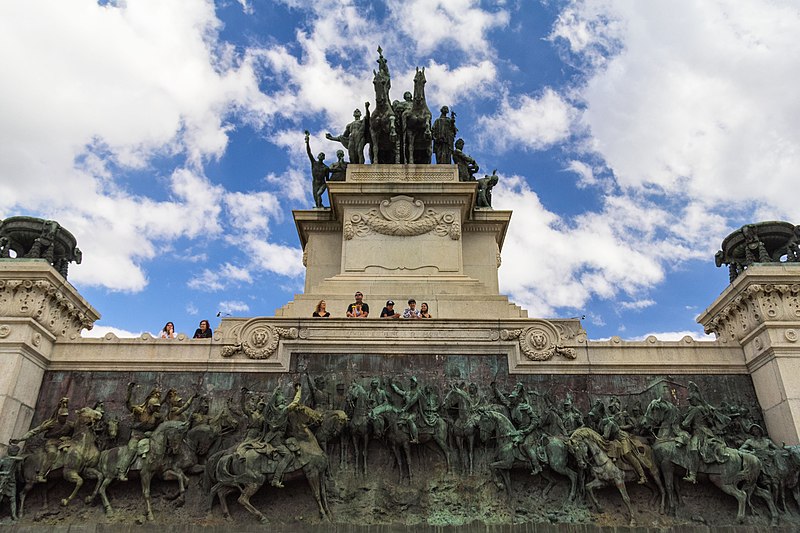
[{"x": 308, "y": 421}]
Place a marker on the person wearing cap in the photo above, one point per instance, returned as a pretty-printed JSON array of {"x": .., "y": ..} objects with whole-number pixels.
[
  {"x": 359, "y": 308},
  {"x": 389, "y": 311},
  {"x": 411, "y": 311}
]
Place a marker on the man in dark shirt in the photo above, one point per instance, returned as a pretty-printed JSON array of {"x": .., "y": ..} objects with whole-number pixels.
[
  {"x": 389, "y": 312},
  {"x": 359, "y": 308}
]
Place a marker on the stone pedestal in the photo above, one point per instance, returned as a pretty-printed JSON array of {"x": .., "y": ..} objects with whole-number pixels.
[
  {"x": 396, "y": 232},
  {"x": 760, "y": 311},
  {"x": 37, "y": 307}
]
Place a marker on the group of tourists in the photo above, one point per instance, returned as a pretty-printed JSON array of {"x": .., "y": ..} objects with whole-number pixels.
[{"x": 360, "y": 309}]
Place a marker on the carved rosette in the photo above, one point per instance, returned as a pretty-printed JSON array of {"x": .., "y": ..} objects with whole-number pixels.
[
  {"x": 44, "y": 302},
  {"x": 402, "y": 216},
  {"x": 755, "y": 305},
  {"x": 258, "y": 340},
  {"x": 539, "y": 342}
]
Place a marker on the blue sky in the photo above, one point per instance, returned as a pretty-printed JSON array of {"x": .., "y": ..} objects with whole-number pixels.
[{"x": 630, "y": 138}]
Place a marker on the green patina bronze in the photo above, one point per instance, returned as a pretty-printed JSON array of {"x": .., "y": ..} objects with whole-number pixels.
[{"x": 36, "y": 238}]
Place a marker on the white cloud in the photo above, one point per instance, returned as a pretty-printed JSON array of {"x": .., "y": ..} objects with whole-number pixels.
[
  {"x": 585, "y": 173},
  {"x": 534, "y": 123},
  {"x": 277, "y": 258},
  {"x": 98, "y": 332},
  {"x": 675, "y": 336},
  {"x": 549, "y": 264},
  {"x": 462, "y": 23},
  {"x": 225, "y": 276},
  {"x": 247, "y": 6},
  {"x": 191, "y": 309},
  {"x": 250, "y": 212},
  {"x": 233, "y": 306},
  {"x": 693, "y": 98},
  {"x": 101, "y": 89},
  {"x": 636, "y": 305}
]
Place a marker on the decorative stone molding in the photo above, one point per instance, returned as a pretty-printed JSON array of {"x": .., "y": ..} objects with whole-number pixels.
[
  {"x": 258, "y": 340},
  {"x": 45, "y": 302},
  {"x": 5, "y": 331},
  {"x": 539, "y": 342},
  {"x": 402, "y": 216},
  {"x": 755, "y": 305},
  {"x": 402, "y": 173}
]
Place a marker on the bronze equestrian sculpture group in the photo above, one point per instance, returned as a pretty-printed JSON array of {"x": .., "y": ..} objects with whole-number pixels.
[{"x": 266, "y": 436}]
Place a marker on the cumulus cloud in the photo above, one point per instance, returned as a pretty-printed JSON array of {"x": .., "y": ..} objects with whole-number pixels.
[
  {"x": 233, "y": 306},
  {"x": 125, "y": 83},
  {"x": 551, "y": 263},
  {"x": 693, "y": 99},
  {"x": 435, "y": 23},
  {"x": 216, "y": 280},
  {"x": 534, "y": 123}
]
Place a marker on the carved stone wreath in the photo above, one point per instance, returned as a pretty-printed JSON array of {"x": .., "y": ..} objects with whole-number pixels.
[
  {"x": 402, "y": 216},
  {"x": 258, "y": 340},
  {"x": 539, "y": 342}
]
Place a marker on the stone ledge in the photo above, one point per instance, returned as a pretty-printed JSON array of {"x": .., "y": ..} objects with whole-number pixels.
[{"x": 532, "y": 346}]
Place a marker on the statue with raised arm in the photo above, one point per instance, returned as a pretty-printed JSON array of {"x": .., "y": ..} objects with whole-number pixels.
[
  {"x": 355, "y": 136},
  {"x": 319, "y": 174},
  {"x": 467, "y": 167},
  {"x": 444, "y": 134},
  {"x": 176, "y": 407},
  {"x": 410, "y": 398}
]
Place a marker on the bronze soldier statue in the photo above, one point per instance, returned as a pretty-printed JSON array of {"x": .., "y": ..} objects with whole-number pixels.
[
  {"x": 319, "y": 174},
  {"x": 57, "y": 429},
  {"x": 410, "y": 400}
]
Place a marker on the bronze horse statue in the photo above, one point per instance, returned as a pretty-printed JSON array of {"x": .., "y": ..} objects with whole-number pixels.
[
  {"x": 417, "y": 125},
  {"x": 737, "y": 476},
  {"x": 515, "y": 453},
  {"x": 384, "y": 141},
  {"x": 200, "y": 441},
  {"x": 359, "y": 426},
  {"x": 225, "y": 473},
  {"x": 586, "y": 444},
  {"x": 165, "y": 445},
  {"x": 386, "y": 421},
  {"x": 76, "y": 455},
  {"x": 462, "y": 432}
]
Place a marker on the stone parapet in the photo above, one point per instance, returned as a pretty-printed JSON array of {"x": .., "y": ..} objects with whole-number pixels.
[{"x": 531, "y": 346}]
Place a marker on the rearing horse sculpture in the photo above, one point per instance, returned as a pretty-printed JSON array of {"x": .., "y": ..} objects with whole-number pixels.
[
  {"x": 385, "y": 143},
  {"x": 417, "y": 125}
]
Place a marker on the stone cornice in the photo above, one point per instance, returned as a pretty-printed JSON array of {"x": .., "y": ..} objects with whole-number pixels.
[
  {"x": 35, "y": 290},
  {"x": 750, "y": 304}
]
